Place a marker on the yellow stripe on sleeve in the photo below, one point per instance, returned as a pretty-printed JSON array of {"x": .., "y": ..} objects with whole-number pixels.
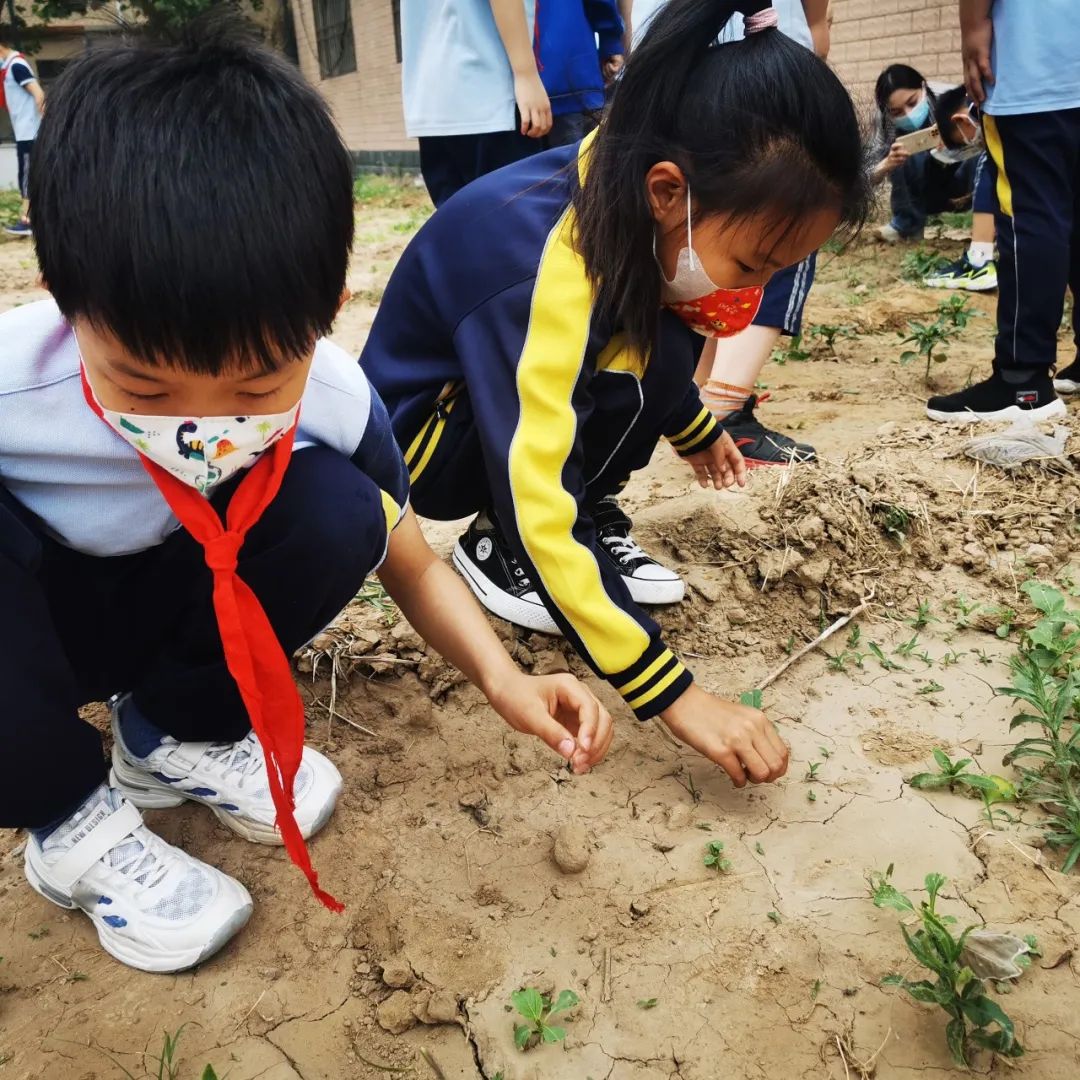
[
  {"x": 655, "y": 691},
  {"x": 391, "y": 511},
  {"x": 997, "y": 152},
  {"x": 673, "y": 439},
  {"x": 664, "y": 658},
  {"x": 543, "y": 441}
]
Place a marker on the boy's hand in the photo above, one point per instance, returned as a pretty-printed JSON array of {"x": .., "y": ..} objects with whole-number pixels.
[
  {"x": 560, "y": 711},
  {"x": 533, "y": 104},
  {"x": 721, "y": 465},
  {"x": 741, "y": 740},
  {"x": 977, "y": 35},
  {"x": 612, "y": 66}
]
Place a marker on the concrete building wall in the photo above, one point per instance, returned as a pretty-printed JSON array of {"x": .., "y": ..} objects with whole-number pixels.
[
  {"x": 868, "y": 35},
  {"x": 366, "y": 102}
]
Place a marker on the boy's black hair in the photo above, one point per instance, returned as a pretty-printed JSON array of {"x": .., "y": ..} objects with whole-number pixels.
[
  {"x": 757, "y": 126},
  {"x": 946, "y": 105},
  {"x": 194, "y": 200},
  {"x": 7, "y": 35}
]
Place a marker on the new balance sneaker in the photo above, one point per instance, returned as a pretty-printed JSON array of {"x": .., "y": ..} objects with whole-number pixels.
[
  {"x": 963, "y": 274},
  {"x": 759, "y": 444},
  {"x": 996, "y": 401},
  {"x": 1067, "y": 381},
  {"x": 229, "y": 778},
  {"x": 648, "y": 581},
  {"x": 154, "y": 907},
  {"x": 484, "y": 559}
]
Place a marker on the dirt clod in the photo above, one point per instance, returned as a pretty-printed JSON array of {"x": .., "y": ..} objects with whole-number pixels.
[
  {"x": 571, "y": 848},
  {"x": 395, "y": 1014},
  {"x": 397, "y": 972}
]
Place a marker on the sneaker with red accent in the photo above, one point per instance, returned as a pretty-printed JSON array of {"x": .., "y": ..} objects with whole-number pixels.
[{"x": 761, "y": 445}]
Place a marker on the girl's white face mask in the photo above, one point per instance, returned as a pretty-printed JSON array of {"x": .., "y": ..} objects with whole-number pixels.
[
  {"x": 698, "y": 300},
  {"x": 201, "y": 451}
]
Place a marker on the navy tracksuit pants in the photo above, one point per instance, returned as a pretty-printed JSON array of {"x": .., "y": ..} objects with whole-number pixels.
[
  {"x": 82, "y": 628},
  {"x": 1037, "y": 162}
]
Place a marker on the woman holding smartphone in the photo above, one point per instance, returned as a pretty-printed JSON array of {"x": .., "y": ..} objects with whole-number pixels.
[{"x": 922, "y": 183}]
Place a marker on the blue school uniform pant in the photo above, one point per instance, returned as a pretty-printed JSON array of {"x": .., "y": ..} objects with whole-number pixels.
[
  {"x": 923, "y": 186},
  {"x": 449, "y": 162},
  {"x": 785, "y": 296},
  {"x": 1036, "y": 168},
  {"x": 79, "y": 628}
]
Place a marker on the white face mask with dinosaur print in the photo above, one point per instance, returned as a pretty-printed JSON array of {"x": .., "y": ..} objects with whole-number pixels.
[{"x": 201, "y": 451}]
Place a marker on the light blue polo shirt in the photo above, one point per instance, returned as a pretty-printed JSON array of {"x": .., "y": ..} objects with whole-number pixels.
[
  {"x": 455, "y": 76},
  {"x": 1035, "y": 57}
]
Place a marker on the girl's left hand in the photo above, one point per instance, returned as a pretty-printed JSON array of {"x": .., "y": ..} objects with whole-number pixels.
[
  {"x": 559, "y": 711},
  {"x": 720, "y": 465}
]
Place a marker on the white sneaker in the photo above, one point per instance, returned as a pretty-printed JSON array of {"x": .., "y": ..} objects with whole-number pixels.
[
  {"x": 229, "y": 778},
  {"x": 154, "y": 907},
  {"x": 649, "y": 582}
]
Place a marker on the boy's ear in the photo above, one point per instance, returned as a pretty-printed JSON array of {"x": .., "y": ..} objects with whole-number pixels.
[
  {"x": 963, "y": 123},
  {"x": 344, "y": 298}
]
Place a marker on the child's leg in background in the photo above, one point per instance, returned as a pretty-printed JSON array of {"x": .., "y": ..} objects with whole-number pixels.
[
  {"x": 907, "y": 197},
  {"x": 983, "y": 208},
  {"x": 730, "y": 367},
  {"x": 974, "y": 271},
  {"x": 569, "y": 128},
  {"x": 92, "y": 627},
  {"x": 1038, "y": 176},
  {"x": 449, "y": 162}
]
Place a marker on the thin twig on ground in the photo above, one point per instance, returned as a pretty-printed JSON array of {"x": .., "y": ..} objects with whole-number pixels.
[{"x": 819, "y": 640}]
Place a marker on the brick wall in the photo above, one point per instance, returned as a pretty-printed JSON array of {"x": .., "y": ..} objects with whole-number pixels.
[
  {"x": 366, "y": 102},
  {"x": 867, "y": 35}
]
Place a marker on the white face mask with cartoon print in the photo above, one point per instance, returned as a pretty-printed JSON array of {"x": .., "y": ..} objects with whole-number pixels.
[{"x": 201, "y": 451}]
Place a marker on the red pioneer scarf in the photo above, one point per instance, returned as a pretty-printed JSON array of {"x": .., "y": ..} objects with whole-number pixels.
[{"x": 253, "y": 653}]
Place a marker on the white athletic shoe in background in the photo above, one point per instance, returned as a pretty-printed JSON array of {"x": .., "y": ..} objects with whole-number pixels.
[{"x": 154, "y": 907}]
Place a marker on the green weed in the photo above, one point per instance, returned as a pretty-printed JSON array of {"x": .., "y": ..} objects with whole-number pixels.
[
  {"x": 954, "y": 774},
  {"x": 715, "y": 858},
  {"x": 827, "y": 333},
  {"x": 791, "y": 350},
  {"x": 976, "y": 1020},
  {"x": 919, "y": 264},
  {"x": 537, "y": 1010},
  {"x": 956, "y": 311},
  {"x": 929, "y": 340}
]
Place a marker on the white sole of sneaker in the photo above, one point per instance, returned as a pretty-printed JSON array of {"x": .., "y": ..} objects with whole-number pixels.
[
  {"x": 1066, "y": 386},
  {"x": 1013, "y": 413},
  {"x": 967, "y": 286},
  {"x": 147, "y": 793},
  {"x": 147, "y": 956},
  {"x": 511, "y": 608},
  {"x": 655, "y": 592}
]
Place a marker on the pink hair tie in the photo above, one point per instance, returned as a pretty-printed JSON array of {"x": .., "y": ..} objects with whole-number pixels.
[{"x": 761, "y": 20}]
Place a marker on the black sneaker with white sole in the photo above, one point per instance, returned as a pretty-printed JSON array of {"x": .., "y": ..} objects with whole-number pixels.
[
  {"x": 648, "y": 581},
  {"x": 759, "y": 444},
  {"x": 995, "y": 400},
  {"x": 1067, "y": 381},
  {"x": 492, "y": 571}
]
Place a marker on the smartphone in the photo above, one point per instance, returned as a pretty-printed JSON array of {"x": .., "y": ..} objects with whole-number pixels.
[{"x": 919, "y": 142}]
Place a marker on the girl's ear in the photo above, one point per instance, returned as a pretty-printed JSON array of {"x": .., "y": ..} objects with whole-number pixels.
[{"x": 665, "y": 190}]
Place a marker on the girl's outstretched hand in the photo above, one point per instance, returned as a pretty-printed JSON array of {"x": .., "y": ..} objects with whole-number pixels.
[
  {"x": 720, "y": 465},
  {"x": 561, "y": 712},
  {"x": 740, "y": 739}
]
